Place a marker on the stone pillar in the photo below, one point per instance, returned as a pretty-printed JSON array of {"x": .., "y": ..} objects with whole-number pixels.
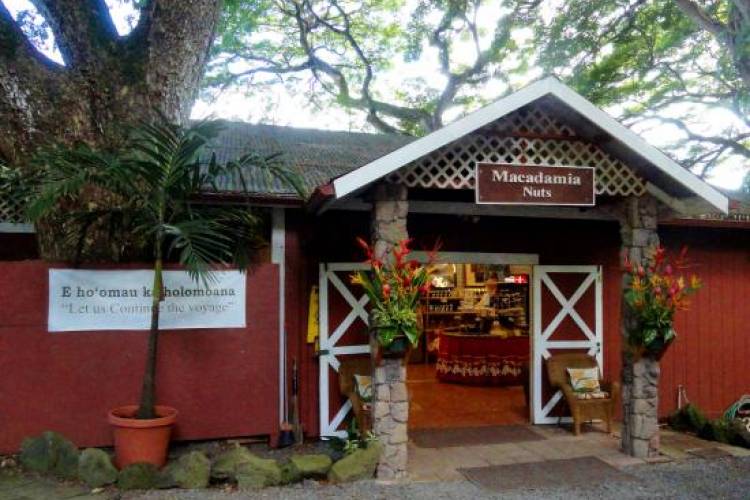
[
  {"x": 640, "y": 377},
  {"x": 390, "y": 409}
]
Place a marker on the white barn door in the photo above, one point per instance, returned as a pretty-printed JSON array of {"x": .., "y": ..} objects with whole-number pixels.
[
  {"x": 343, "y": 332},
  {"x": 568, "y": 315}
]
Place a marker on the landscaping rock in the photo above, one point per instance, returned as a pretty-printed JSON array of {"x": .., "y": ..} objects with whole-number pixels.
[
  {"x": 192, "y": 470},
  {"x": 95, "y": 468},
  {"x": 225, "y": 464},
  {"x": 289, "y": 473},
  {"x": 361, "y": 464},
  {"x": 258, "y": 473},
  {"x": 310, "y": 466},
  {"x": 250, "y": 471},
  {"x": 141, "y": 476},
  {"x": 51, "y": 453}
]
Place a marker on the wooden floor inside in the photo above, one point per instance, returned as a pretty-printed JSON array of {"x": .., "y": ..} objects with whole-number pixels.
[{"x": 438, "y": 404}]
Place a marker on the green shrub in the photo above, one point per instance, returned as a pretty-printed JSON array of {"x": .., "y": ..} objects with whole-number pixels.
[
  {"x": 721, "y": 430},
  {"x": 696, "y": 417},
  {"x": 689, "y": 418},
  {"x": 679, "y": 421}
]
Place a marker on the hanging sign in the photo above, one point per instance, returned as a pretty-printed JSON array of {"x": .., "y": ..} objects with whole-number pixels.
[
  {"x": 81, "y": 300},
  {"x": 505, "y": 184}
]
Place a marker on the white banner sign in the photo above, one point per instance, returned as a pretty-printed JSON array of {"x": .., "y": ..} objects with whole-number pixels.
[{"x": 121, "y": 300}]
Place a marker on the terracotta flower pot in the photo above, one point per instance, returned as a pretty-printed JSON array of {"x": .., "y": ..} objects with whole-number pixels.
[{"x": 141, "y": 440}]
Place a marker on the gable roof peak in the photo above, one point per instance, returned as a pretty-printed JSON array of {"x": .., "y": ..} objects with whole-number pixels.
[{"x": 627, "y": 141}]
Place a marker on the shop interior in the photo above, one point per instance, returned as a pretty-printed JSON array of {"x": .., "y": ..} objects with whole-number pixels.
[{"x": 472, "y": 368}]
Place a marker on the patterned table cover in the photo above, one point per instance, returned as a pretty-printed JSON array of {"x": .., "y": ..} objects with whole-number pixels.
[{"x": 482, "y": 359}]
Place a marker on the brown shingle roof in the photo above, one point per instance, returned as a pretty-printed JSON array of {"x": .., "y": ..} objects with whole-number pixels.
[{"x": 317, "y": 156}]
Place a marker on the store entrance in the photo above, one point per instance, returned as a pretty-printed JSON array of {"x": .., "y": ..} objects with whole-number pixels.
[{"x": 472, "y": 369}]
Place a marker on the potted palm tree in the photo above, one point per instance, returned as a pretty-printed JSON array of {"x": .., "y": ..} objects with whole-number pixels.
[{"x": 152, "y": 191}]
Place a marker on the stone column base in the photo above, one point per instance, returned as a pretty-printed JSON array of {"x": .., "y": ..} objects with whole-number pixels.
[{"x": 390, "y": 415}]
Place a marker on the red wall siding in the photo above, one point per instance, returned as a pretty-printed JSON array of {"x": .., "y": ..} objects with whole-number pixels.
[
  {"x": 711, "y": 355},
  {"x": 218, "y": 379},
  {"x": 301, "y": 275}
]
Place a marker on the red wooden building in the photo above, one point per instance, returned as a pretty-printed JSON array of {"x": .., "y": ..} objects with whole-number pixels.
[{"x": 238, "y": 382}]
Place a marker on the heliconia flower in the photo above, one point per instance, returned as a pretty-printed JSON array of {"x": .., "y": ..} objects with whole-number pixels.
[
  {"x": 424, "y": 289},
  {"x": 668, "y": 270},
  {"x": 366, "y": 247},
  {"x": 363, "y": 244},
  {"x": 641, "y": 271},
  {"x": 695, "y": 283},
  {"x": 659, "y": 254},
  {"x": 386, "y": 289},
  {"x": 432, "y": 254},
  {"x": 683, "y": 252},
  {"x": 356, "y": 279}
]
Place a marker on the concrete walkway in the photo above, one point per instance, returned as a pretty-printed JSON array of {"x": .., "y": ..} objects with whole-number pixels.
[{"x": 442, "y": 464}]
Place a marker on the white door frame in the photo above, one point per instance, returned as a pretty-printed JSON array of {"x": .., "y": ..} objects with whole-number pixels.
[
  {"x": 329, "y": 351},
  {"x": 541, "y": 338}
]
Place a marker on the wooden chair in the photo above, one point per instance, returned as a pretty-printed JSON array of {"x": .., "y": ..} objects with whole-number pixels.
[
  {"x": 348, "y": 369},
  {"x": 582, "y": 409}
]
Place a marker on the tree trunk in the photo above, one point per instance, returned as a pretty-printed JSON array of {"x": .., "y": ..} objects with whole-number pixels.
[
  {"x": 148, "y": 390},
  {"x": 108, "y": 82}
]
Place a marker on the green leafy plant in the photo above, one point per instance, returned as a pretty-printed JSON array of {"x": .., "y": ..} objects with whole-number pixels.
[
  {"x": 691, "y": 419},
  {"x": 394, "y": 288},
  {"x": 153, "y": 188},
  {"x": 354, "y": 439},
  {"x": 654, "y": 293}
]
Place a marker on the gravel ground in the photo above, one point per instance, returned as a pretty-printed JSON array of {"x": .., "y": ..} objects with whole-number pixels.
[{"x": 727, "y": 478}]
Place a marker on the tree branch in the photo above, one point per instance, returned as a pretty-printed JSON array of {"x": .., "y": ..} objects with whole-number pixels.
[
  {"x": 733, "y": 143},
  {"x": 27, "y": 79},
  {"x": 702, "y": 18},
  {"x": 15, "y": 47},
  {"x": 172, "y": 43},
  {"x": 83, "y": 29}
]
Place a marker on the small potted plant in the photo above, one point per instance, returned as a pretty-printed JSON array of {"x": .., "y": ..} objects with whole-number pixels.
[
  {"x": 153, "y": 187},
  {"x": 654, "y": 293},
  {"x": 394, "y": 286}
]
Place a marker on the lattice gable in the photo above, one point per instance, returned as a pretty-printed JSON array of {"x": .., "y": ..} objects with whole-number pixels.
[{"x": 527, "y": 136}]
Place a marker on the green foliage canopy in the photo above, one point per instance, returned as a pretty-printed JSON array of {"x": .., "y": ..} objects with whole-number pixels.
[
  {"x": 661, "y": 60},
  {"x": 345, "y": 52}
]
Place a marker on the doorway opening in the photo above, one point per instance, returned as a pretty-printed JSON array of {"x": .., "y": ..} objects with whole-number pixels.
[
  {"x": 472, "y": 368},
  {"x": 560, "y": 309}
]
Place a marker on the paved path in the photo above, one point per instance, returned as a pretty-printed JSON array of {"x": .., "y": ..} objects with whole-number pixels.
[{"x": 727, "y": 478}]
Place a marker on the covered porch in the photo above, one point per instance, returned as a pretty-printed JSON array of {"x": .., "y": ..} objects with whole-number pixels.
[{"x": 427, "y": 190}]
